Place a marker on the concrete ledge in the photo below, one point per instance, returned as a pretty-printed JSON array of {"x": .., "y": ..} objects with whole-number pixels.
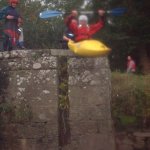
[
  {"x": 39, "y": 52},
  {"x": 142, "y": 134},
  {"x": 62, "y": 52},
  {"x": 29, "y": 52}
]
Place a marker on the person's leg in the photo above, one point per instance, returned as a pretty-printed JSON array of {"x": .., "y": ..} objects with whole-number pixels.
[
  {"x": 21, "y": 43},
  {"x": 1, "y": 43},
  {"x": 7, "y": 43}
]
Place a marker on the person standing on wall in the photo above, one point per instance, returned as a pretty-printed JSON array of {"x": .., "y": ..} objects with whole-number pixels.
[
  {"x": 20, "y": 42},
  {"x": 12, "y": 18}
]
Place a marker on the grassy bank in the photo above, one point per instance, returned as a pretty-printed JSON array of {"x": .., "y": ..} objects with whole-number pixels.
[{"x": 130, "y": 101}]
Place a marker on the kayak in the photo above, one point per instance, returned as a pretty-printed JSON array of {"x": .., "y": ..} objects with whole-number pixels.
[{"x": 89, "y": 48}]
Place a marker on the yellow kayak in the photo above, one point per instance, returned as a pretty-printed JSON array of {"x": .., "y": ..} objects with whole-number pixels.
[{"x": 90, "y": 48}]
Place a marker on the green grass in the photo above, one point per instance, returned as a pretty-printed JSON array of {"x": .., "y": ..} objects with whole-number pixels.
[{"x": 130, "y": 100}]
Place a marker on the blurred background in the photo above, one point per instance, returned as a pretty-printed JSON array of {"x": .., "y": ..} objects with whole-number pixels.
[{"x": 127, "y": 34}]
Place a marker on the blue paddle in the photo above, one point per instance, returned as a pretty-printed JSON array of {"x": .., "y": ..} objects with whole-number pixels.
[
  {"x": 54, "y": 13},
  {"x": 117, "y": 11}
]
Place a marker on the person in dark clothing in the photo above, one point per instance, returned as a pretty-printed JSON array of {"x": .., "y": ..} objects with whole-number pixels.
[
  {"x": 68, "y": 32},
  {"x": 12, "y": 18},
  {"x": 68, "y": 20}
]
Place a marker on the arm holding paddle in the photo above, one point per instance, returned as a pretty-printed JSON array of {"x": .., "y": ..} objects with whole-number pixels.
[
  {"x": 71, "y": 24},
  {"x": 82, "y": 30},
  {"x": 55, "y": 13},
  {"x": 100, "y": 24},
  {"x": 73, "y": 15}
]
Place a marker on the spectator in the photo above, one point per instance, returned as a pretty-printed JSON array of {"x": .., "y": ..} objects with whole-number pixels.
[
  {"x": 20, "y": 42},
  {"x": 12, "y": 18},
  {"x": 131, "y": 66}
]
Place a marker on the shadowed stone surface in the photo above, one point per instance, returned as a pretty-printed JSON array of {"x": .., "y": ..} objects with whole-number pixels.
[
  {"x": 32, "y": 91},
  {"x": 89, "y": 94}
]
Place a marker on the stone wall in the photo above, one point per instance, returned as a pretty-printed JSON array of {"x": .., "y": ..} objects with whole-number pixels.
[
  {"x": 29, "y": 93},
  {"x": 89, "y": 95}
]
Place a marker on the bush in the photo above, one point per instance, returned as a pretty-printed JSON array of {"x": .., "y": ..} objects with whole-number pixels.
[{"x": 130, "y": 100}]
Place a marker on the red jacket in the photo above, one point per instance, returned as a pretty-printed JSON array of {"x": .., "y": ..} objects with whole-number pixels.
[
  {"x": 69, "y": 19},
  {"x": 131, "y": 66},
  {"x": 85, "y": 32}
]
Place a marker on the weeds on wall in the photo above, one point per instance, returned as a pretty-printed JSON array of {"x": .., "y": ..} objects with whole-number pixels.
[
  {"x": 22, "y": 113},
  {"x": 63, "y": 84},
  {"x": 63, "y": 103},
  {"x": 6, "y": 113},
  {"x": 12, "y": 114}
]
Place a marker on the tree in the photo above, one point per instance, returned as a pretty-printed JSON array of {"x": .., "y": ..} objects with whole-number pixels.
[
  {"x": 44, "y": 33},
  {"x": 128, "y": 34}
]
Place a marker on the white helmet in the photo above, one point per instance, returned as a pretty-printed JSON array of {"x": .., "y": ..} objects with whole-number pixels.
[{"x": 83, "y": 17}]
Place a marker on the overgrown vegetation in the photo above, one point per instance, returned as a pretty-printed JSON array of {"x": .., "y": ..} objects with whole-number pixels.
[
  {"x": 130, "y": 101},
  {"x": 11, "y": 114},
  {"x": 63, "y": 103},
  {"x": 63, "y": 84}
]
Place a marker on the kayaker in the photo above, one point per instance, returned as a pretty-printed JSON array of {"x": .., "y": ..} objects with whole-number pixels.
[{"x": 82, "y": 30}]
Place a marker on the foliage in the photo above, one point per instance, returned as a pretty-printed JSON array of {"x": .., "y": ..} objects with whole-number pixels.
[
  {"x": 10, "y": 113},
  {"x": 130, "y": 100},
  {"x": 44, "y": 33},
  {"x": 6, "y": 113},
  {"x": 125, "y": 34},
  {"x": 22, "y": 113},
  {"x": 63, "y": 102}
]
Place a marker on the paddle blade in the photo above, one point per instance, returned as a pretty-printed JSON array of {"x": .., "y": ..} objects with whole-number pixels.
[
  {"x": 117, "y": 11},
  {"x": 49, "y": 14}
]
